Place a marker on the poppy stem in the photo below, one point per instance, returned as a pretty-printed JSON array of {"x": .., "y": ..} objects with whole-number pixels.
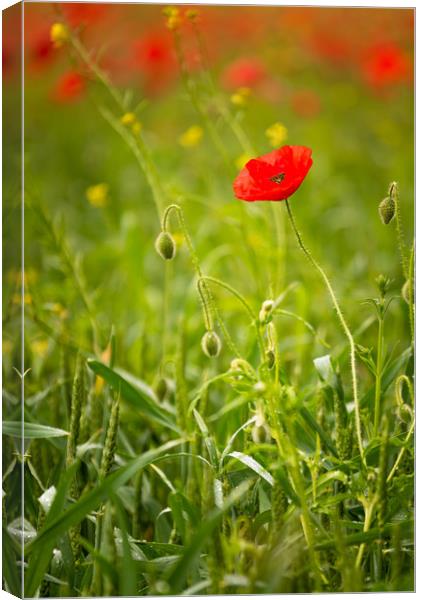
[{"x": 344, "y": 327}]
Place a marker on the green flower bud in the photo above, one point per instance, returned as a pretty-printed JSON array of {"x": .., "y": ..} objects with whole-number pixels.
[
  {"x": 211, "y": 344},
  {"x": 161, "y": 388},
  {"x": 387, "y": 209},
  {"x": 265, "y": 310},
  {"x": 270, "y": 358},
  {"x": 260, "y": 434},
  {"x": 165, "y": 245}
]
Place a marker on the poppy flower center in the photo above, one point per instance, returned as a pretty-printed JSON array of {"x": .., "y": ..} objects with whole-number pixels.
[{"x": 277, "y": 178}]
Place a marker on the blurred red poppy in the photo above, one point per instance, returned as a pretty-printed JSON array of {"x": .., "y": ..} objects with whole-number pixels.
[
  {"x": 69, "y": 87},
  {"x": 386, "y": 64},
  {"x": 244, "y": 72},
  {"x": 84, "y": 13},
  {"x": 154, "y": 56},
  {"x": 274, "y": 176}
]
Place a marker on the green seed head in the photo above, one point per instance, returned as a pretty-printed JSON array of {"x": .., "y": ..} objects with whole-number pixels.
[
  {"x": 260, "y": 434},
  {"x": 383, "y": 284},
  {"x": 211, "y": 344},
  {"x": 165, "y": 245},
  {"x": 387, "y": 209}
]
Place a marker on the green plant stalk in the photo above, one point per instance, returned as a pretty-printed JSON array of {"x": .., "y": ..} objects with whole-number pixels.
[
  {"x": 245, "y": 304},
  {"x": 411, "y": 292},
  {"x": 297, "y": 478},
  {"x": 207, "y": 299},
  {"x": 135, "y": 143},
  {"x": 369, "y": 511},
  {"x": 399, "y": 230},
  {"x": 401, "y": 452},
  {"x": 190, "y": 88},
  {"x": 344, "y": 326},
  {"x": 379, "y": 369},
  {"x": 106, "y": 464}
]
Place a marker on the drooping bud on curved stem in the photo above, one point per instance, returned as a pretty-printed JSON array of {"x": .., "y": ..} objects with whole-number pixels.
[
  {"x": 211, "y": 344},
  {"x": 165, "y": 245}
]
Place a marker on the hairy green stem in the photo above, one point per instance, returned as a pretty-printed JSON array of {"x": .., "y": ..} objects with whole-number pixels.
[
  {"x": 379, "y": 369},
  {"x": 344, "y": 327}
]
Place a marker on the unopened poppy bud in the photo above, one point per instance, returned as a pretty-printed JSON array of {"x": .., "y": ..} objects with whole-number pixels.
[
  {"x": 406, "y": 292},
  {"x": 260, "y": 434},
  {"x": 161, "y": 388},
  {"x": 165, "y": 245},
  {"x": 211, "y": 344},
  {"x": 387, "y": 209},
  {"x": 270, "y": 358},
  {"x": 265, "y": 310}
]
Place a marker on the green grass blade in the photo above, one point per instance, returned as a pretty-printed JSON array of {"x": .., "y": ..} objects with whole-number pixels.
[{"x": 135, "y": 395}]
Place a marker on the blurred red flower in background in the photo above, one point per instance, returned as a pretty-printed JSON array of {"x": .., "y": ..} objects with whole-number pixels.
[
  {"x": 244, "y": 72},
  {"x": 274, "y": 176},
  {"x": 386, "y": 64},
  {"x": 154, "y": 57},
  {"x": 83, "y": 13},
  {"x": 69, "y": 87}
]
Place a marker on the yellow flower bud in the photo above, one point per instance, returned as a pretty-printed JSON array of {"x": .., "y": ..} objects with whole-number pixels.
[
  {"x": 59, "y": 34},
  {"x": 97, "y": 195},
  {"x": 191, "y": 137},
  {"x": 128, "y": 119}
]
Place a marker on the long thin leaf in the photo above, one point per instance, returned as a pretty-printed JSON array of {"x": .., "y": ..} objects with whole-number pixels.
[
  {"x": 31, "y": 431},
  {"x": 252, "y": 464},
  {"x": 185, "y": 564},
  {"x": 135, "y": 395},
  {"x": 43, "y": 544}
]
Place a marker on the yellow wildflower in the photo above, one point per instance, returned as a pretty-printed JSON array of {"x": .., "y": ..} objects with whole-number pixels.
[
  {"x": 59, "y": 34},
  {"x": 191, "y": 137},
  {"x": 97, "y": 195},
  {"x": 239, "y": 97},
  {"x": 40, "y": 347},
  {"x": 242, "y": 160},
  {"x": 276, "y": 134},
  {"x": 173, "y": 17},
  {"x": 128, "y": 119}
]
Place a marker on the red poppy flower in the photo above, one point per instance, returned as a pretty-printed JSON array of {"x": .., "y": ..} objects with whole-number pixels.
[
  {"x": 69, "y": 87},
  {"x": 386, "y": 64},
  {"x": 274, "y": 176},
  {"x": 244, "y": 72}
]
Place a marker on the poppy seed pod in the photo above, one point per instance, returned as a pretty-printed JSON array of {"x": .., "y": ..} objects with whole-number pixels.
[
  {"x": 387, "y": 209},
  {"x": 165, "y": 245},
  {"x": 211, "y": 344}
]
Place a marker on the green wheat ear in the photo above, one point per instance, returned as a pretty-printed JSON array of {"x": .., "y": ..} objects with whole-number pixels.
[{"x": 110, "y": 440}]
